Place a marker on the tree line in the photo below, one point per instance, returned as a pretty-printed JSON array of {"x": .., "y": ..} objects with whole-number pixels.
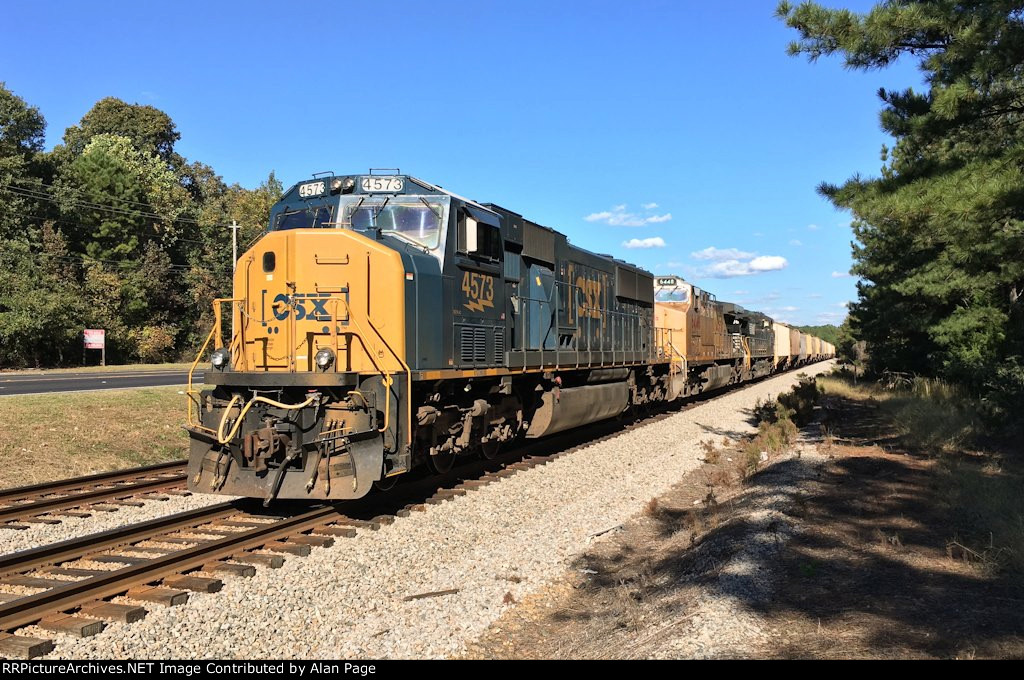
[
  {"x": 112, "y": 229},
  {"x": 939, "y": 234}
]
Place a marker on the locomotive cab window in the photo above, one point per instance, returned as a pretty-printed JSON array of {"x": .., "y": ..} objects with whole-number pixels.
[
  {"x": 479, "y": 239},
  {"x": 269, "y": 261},
  {"x": 419, "y": 222},
  {"x": 307, "y": 218},
  {"x": 673, "y": 295}
]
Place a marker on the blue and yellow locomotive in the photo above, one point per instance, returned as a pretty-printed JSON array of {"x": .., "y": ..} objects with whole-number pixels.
[{"x": 383, "y": 322}]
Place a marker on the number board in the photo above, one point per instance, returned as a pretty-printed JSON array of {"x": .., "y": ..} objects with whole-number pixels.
[
  {"x": 667, "y": 281},
  {"x": 312, "y": 189},
  {"x": 381, "y": 184}
]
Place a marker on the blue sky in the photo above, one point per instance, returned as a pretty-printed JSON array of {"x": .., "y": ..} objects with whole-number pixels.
[{"x": 674, "y": 134}]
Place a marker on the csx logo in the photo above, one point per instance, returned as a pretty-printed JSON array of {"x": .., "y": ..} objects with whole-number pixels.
[{"x": 312, "y": 306}]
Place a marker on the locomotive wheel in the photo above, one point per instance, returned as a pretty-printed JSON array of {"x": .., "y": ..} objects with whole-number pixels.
[
  {"x": 442, "y": 462},
  {"x": 489, "y": 449},
  {"x": 386, "y": 483}
]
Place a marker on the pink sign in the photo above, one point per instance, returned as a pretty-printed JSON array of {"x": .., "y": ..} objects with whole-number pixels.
[{"x": 94, "y": 338}]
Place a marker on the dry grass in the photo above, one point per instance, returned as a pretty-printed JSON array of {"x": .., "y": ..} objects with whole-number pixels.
[
  {"x": 54, "y": 436},
  {"x": 982, "y": 487},
  {"x": 929, "y": 415}
]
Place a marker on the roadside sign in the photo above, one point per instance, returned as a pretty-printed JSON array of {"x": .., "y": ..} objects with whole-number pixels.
[{"x": 94, "y": 338}]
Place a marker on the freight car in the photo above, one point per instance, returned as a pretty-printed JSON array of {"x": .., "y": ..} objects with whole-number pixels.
[{"x": 383, "y": 323}]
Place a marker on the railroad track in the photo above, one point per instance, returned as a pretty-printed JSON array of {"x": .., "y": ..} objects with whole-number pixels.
[
  {"x": 160, "y": 561},
  {"x": 81, "y": 496}
]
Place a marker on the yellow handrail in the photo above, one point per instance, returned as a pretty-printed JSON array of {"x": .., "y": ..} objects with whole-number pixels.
[
  {"x": 215, "y": 331},
  {"x": 385, "y": 375},
  {"x": 189, "y": 391}
]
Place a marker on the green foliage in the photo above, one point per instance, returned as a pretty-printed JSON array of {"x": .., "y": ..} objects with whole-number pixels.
[
  {"x": 22, "y": 130},
  {"x": 112, "y": 230},
  {"x": 940, "y": 235},
  {"x": 40, "y": 303},
  {"x": 828, "y": 332},
  {"x": 149, "y": 129}
]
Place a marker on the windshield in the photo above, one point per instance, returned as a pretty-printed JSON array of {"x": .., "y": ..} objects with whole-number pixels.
[
  {"x": 673, "y": 295},
  {"x": 312, "y": 217},
  {"x": 419, "y": 221}
]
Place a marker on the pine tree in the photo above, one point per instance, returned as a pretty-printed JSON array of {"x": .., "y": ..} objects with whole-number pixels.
[{"x": 940, "y": 235}]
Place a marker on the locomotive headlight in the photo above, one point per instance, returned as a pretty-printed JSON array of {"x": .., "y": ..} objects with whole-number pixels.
[
  {"x": 324, "y": 358},
  {"x": 345, "y": 186},
  {"x": 220, "y": 358}
]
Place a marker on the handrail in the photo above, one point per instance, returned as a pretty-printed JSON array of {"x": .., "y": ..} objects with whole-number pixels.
[
  {"x": 214, "y": 331},
  {"x": 388, "y": 380},
  {"x": 189, "y": 391}
]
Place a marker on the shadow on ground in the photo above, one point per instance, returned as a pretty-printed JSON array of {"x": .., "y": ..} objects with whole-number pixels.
[{"x": 868, "y": 574}]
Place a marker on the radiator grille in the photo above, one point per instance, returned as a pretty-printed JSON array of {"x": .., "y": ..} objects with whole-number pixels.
[
  {"x": 473, "y": 344},
  {"x": 499, "y": 346}
]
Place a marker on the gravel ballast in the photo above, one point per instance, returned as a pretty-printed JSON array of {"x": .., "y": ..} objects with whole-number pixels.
[
  {"x": 75, "y": 527},
  {"x": 497, "y": 543}
]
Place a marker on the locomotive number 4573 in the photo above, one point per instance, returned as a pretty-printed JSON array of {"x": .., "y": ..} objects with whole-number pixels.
[{"x": 479, "y": 290}]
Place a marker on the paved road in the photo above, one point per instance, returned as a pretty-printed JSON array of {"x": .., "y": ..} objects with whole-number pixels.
[{"x": 107, "y": 380}]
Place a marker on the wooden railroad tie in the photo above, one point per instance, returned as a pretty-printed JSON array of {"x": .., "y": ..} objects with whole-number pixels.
[
  {"x": 312, "y": 540},
  {"x": 197, "y": 584},
  {"x": 240, "y": 570},
  {"x": 341, "y": 532},
  {"x": 122, "y": 613},
  {"x": 259, "y": 559},
  {"x": 69, "y": 624},
  {"x": 167, "y": 597},
  {"x": 23, "y": 647}
]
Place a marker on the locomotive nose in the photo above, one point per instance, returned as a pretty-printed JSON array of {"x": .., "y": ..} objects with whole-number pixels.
[{"x": 304, "y": 291}]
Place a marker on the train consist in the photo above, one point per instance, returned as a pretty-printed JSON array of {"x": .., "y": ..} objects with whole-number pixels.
[{"x": 383, "y": 323}]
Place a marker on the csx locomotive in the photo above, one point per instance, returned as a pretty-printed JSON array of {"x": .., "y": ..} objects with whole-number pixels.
[{"x": 382, "y": 323}]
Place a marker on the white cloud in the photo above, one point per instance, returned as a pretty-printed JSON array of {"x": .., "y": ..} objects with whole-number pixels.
[
  {"x": 795, "y": 242},
  {"x": 730, "y": 268},
  {"x": 649, "y": 206},
  {"x": 741, "y": 292},
  {"x": 768, "y": 263},
  {"x": 813, "y": 227},
  {"x": 841, "y": 275},
  {"x": 814, "y": 295},
  {"x": 653, "y": 242},
  {"x": 729, "y": 262},
  {"x": 620, "y": 217},
  {"x": 713, "y": 253}
]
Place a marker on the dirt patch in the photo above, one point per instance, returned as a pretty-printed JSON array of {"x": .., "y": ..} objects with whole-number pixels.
[{"x": 842, "y": 549}]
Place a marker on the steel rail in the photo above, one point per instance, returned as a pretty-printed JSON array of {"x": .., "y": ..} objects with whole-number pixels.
[
  {"x": 75, "y": 548},
  {"x": 45, "y": 505},
  {"x": 32, "y": 608},
  {"x": 20, "y": 492}
]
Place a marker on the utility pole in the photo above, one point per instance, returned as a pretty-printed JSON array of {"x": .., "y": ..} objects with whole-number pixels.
[
  {"x": 234, "y": 244},
  {"x": 234, "y": 260}
]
